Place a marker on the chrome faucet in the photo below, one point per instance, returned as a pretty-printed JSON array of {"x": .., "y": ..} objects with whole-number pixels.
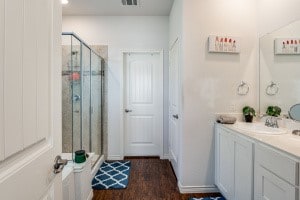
[
  {"x": 272, "y": 122},
  {"x": 262, "y": 115}
]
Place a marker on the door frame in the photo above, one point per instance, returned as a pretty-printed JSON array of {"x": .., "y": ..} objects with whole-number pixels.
[
  {"x": 179, "y": 120},
  {"x": 122, "y": 97}
]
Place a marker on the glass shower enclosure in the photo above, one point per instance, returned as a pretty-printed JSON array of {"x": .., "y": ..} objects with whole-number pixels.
[{"x": 82, "y": 97}]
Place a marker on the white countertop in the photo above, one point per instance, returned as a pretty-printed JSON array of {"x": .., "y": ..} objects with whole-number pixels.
[{"x": 288, "y": 142}]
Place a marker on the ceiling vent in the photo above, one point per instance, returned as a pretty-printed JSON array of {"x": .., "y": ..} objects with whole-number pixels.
[{"x": 130, "y": 2}]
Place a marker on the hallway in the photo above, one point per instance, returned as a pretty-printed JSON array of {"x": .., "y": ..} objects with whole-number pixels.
[{"x": 150, "y": 179}]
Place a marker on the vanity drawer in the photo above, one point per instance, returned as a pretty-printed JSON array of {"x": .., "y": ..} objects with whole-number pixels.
[{"x": 278, "y": 163}]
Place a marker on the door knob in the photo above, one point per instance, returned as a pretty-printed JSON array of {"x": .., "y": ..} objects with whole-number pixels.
[
  {"x": 127, "y": 110},
  {"x": 59, "y": 164},
  {"x": 175, "y": 116},
  {"x": 76, "y": 97}
]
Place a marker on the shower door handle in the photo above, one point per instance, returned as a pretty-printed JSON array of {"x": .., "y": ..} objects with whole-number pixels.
[{"x": 127, "y": 110}]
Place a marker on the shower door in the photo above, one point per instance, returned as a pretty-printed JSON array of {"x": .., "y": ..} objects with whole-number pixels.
[
  {"x": 82, "y": 87},
  {"x": 71, "y": 93}
]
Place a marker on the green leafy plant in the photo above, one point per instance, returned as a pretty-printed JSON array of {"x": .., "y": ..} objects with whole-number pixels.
[
  {"x": 273, "y": 111},
  {"x": 247, "y": 110}
]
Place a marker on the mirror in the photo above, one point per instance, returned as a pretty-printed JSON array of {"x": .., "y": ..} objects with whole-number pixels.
[
  {"x": 294, "y": 112},
  {"x": 279, "y": 68}
]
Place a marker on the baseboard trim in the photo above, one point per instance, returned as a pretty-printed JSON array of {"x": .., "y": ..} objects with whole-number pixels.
[
  {"x": 115, "y": 157},
  {"x": 197, "y": 189},
  {"x": 90, "y": 197},
  {"x": 166, "y": 157}
]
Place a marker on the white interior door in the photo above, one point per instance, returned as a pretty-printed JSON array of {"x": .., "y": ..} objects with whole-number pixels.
[
  {"x": 30, "y": 122},
  {"x": 143, "y": 104},
  {"x": 174, "y": 105}
]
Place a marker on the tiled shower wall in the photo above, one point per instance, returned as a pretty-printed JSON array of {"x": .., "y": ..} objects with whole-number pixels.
[{"x": 66, "y": 102}]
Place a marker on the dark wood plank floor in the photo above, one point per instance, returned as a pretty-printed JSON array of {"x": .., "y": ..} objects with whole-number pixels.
[{"x": 150, "y": 179}]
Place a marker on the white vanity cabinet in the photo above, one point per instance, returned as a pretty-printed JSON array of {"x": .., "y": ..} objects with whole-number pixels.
[
  {"x": 233, "y": 164},
  {"x": 224, "y": 163},
  {"x": 276, "y": 175},
  {"x": 248, "y": 167}
]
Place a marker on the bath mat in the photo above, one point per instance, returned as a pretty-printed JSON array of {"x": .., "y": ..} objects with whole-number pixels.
[
  {"x": 208, "y": 198},
  {"x": 112, "y": 175}
]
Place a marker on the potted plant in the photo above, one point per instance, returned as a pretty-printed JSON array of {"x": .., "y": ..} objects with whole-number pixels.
[
  {"x": 273, "y": 111},
  {"x": 248, "y": 113}
]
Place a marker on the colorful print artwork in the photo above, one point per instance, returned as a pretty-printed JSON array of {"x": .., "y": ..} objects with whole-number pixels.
[
  {"x": 289, "y": 46},
  {"x": 223, "y": 44}
]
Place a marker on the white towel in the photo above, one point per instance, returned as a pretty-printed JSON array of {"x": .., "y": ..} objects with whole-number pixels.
[{"x": 224, "y": 119}]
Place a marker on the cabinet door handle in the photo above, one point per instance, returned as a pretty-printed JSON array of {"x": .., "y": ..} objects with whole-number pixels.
[
  {"x": 175, "y": 116},
  {"x": 127, "y": 110}
]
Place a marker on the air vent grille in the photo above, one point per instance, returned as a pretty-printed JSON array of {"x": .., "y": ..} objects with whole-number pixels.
[{"x": 130, "y": 2}]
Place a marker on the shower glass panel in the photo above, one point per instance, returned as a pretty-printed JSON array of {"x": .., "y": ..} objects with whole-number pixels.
[
  {"x": 75, "y": 87},
  {"x": 82, "y": 93},
  {"x": 86, "y": 97},
  {"x": 96, "y": 104}
]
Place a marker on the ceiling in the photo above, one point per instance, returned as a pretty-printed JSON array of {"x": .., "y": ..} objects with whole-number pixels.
[{"x": 115, "y": 8}]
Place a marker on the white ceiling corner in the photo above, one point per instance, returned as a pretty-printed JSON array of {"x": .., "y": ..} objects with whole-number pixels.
[{"x": 115, "y": 8}]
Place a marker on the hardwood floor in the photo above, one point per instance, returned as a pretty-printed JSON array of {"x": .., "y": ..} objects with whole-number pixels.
[{"x": 150, "y": 179}]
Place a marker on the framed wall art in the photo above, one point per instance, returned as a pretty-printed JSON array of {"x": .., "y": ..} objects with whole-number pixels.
[
  {"x": 223, "y": 44},
  {"x": 287, "y": 46}
]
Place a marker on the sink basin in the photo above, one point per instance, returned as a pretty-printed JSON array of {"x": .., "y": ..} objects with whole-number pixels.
[{"x": 259, "y": 128}]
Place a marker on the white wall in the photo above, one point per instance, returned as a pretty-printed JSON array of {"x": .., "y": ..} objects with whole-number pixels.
[
  {"x": 274, "y": 14},
  {"x": 210, "y": 80},
  {"x": 175, "y": 22},
  {"x": 123, "y": 33}
]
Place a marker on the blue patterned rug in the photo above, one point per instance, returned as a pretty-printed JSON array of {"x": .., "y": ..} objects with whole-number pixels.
[
  {"x": 208, "y": 198},
  {"x": 112, "y": 175}
]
